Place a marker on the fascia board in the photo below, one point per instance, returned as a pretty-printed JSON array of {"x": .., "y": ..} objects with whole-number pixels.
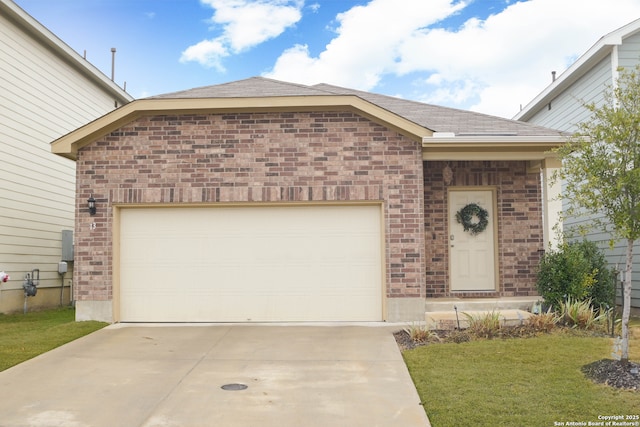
[
  {"x": 69, "y": 144},
  {"x": 470, "y": 156},
  {"x": 494, "y": 140},
  {"x": 490, "y": 148}
]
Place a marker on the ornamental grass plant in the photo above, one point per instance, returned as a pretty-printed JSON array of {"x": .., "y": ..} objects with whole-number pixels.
[
  {"x": 484, "y": 325},
  {"x": 421, "y": 333},
  {"x": 582, "y": 314},
  {"x": 542, "y": 323}
]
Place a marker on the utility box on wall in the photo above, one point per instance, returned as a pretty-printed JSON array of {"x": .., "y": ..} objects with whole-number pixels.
[
  {"x": 67, "y": 245},
  {"x": 62, "y": 267}
]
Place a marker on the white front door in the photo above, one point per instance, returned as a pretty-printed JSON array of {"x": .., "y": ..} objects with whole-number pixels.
[{"x": 472, "y": 257}]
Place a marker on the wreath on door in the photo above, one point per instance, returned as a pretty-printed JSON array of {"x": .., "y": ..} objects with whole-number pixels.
[{"x": 466, "y": 215}]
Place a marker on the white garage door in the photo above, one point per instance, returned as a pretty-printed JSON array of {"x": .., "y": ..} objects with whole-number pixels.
[{"x": 285, "y": 263}]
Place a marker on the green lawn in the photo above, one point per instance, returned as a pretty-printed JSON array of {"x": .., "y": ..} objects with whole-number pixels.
[
  {"x": 516, "y": 382},
  {"x": 24, "y": 336}
]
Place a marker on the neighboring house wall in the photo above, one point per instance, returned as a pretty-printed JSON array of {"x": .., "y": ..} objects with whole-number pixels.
[
  {"x": 567, "y": 111},
  {"x": 44, "y": 94},
  {"x": 258, "y": 158},
  {"x": 520, "y": 233},
  {"x": 629, "y": 51}
]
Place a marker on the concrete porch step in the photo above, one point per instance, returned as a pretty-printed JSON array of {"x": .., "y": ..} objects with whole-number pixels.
[
  {"x": 447, "y": 320},
  {"x": 440, "y": 312},
  {"x": 481, "y": 304}
]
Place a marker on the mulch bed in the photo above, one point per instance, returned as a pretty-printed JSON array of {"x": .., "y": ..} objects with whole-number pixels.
[
  {"x": 404, "y": 341},
  {"x": 614, "y": 374},
  {"x": 606, "y": 371},
  {"x": 438, "y": 336}
]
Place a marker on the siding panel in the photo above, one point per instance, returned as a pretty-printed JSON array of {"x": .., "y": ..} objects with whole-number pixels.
[
  {"x": 629, "y": 51},
  {"x": 567, "y": 110},
  {"x": 42, "y": 97}
]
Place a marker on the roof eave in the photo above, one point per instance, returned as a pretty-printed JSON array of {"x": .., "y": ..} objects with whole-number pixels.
[
  {"x": 68, "y": 145},
  {"x": 489, "y": 147}
]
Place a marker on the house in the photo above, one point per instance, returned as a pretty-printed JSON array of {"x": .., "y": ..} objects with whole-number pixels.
[
  {"x": 262, "y": 200},
  {"x": 46, "y": 90},
  {"x": 561, "y": 106}
]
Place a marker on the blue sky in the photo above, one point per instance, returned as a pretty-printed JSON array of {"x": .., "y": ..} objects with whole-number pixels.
[{"x": 489, "y": 56}]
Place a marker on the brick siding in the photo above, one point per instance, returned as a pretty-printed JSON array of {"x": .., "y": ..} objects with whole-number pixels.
[
  {"x": 520, "y": 232},
  {"x": 252, "y": 157}
]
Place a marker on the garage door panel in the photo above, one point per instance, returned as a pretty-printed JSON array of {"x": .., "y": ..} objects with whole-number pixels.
[{"x": 254, "y": 263}]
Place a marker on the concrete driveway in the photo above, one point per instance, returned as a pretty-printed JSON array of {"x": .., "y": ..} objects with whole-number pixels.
[{"x": 170, "y": 376}]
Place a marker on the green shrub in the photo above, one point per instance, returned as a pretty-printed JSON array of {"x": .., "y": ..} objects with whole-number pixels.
[
  {"x": 577, "y": 270},
  {"x": 603, "y": 292}
]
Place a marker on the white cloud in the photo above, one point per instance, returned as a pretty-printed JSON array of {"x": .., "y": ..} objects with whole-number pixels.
[
  {"x": 245, "y": 24},
  {"x": 451, "y": 93},
  {"x": 366, "y": 43},
  {"x": 208, "y": 53},
  {"x": 510, "y": 55},
  {"x": 489, "y": 65}
]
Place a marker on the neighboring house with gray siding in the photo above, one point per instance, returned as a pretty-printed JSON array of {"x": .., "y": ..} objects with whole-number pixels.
[
  {"x": 560, "y": 106},
  {"x": 46, "y": 91}
]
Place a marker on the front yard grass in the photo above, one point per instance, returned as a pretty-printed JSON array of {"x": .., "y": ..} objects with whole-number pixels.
[
  {"x": 24, "y": 336},
  {"x": 519, "y": 381}
]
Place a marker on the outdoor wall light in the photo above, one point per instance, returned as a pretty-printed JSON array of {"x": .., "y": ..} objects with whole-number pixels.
[
  {"x": 447, "y": 175},
  {"x": 91, "y": 203}
]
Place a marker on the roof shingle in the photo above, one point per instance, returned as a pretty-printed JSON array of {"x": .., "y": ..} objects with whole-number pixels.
[{"x": 436, "y": 118}]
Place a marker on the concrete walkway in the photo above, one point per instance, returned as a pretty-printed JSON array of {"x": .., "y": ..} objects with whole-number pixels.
[{"x": 170, "y": 376}]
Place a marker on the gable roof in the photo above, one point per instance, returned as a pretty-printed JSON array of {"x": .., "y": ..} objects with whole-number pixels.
[
  {"x": 447, "y": 120},
  {"x": 51, "y": 42},
  {"x": 252, "y": 87},
  {"x": 433, "y": 117},
  {"x": 418, "y": 121},
  {"x": 601, "y": 49}
]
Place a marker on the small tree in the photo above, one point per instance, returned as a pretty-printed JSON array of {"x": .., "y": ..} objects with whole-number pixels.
[{"x": 601, "y": 171}]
